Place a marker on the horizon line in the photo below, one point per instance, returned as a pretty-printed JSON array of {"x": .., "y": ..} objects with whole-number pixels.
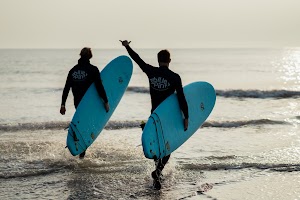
[{"x": 112, "y": 48}]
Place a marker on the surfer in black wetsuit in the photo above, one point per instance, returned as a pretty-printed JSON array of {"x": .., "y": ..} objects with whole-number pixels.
[
  {"x": 80, "y": 77},
  {"x": 163, "y": 82}
]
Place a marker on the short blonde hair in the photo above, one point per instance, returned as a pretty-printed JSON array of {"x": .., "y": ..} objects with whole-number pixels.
[{"x": 86, "y": 52}]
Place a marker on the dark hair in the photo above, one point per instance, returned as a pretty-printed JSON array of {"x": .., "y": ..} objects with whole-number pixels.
[
  {"x": 164, "y": 56},
  {"x": 86, "y": 52}
]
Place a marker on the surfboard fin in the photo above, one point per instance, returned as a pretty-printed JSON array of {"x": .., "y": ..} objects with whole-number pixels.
[
  {"x": 74, "y": 134},
  {"x": 75, "y": 137}
]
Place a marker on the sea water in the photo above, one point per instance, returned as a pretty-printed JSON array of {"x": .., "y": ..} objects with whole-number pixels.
[{"x": 249, "y": 147}]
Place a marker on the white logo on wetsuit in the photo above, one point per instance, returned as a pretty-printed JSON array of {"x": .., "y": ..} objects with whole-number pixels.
[
  {"x": 159, "y": 83},
  {"x": 79, "y": 75}
]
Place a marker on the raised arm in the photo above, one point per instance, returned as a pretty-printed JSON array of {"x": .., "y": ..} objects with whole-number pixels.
[{"x": 144, "y": 66}]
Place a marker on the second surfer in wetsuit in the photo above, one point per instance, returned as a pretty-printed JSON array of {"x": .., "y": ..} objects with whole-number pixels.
[{"x": 80, "y": 77}]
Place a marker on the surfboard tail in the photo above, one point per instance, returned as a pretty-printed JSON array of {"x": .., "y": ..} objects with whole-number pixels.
[
  {"x": 154, "y": 144},
  {"x": 75, "y": 141}
]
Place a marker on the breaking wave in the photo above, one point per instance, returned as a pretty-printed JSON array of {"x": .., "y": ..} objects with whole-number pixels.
[
  {"x": 230, "y": 93},
  {"x": 236, "y": 166},
  {"x": 259, "y": 94},
  {"x": 115, "y": 125}
]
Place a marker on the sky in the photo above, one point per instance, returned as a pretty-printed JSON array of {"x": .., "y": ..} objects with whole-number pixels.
[{"x": 149, "y": 23}]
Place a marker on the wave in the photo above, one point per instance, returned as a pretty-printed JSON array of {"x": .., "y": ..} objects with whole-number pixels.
[
  {"x": 33, "y": 126},
  {"x": 259, "y": 94},
  {"x": 115, "y": 125},
  {"x": 29, "y": 173},
  {"x": 236, "y": 166},
  {"x": 241, "y": 123},
  {"x": 138, "y": 89},
  {"x": 238, "y": 93},
  {"x": 111, "y": 125}
]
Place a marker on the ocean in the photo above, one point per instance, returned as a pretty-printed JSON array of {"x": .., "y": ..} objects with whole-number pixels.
[{"x": 249, "y": 147}]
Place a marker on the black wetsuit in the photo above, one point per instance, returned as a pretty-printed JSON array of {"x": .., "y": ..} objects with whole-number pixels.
[
  {"x": 163, "y": 82},
  {"x": 80, "y": 78}
]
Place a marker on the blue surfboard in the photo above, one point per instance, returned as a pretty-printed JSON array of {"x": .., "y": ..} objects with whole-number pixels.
[
  {"x": 164, "y": 130},
  {"x": 90, "y": 116}
]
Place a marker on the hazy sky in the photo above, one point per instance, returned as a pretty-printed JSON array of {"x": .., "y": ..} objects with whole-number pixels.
[{"x": 149, "y": 23}]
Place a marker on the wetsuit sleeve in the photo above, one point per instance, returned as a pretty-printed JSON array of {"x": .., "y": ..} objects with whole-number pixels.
[
  {"x": 144, "y": 66},
  {"x": 99, "y": 87},
  {"x": 181, "y": 99},
  {"x": 66, "y": 90}
]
